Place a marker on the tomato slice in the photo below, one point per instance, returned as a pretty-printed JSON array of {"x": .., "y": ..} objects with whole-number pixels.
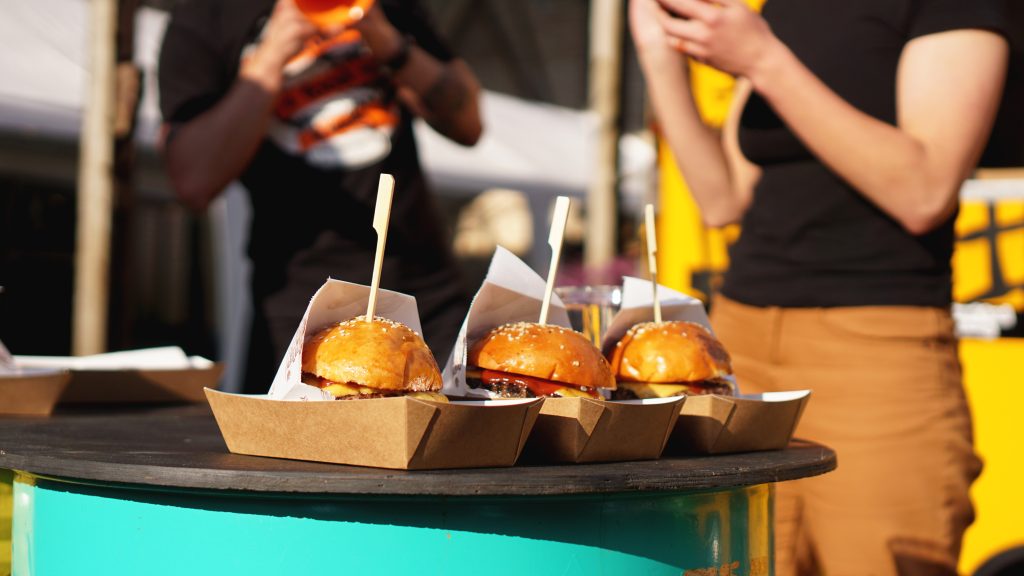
[{"x": 539, "y": 386}]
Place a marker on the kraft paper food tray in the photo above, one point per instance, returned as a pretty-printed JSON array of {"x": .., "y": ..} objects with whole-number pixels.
[
  {"x": 582, "y": 430},
  {"x": 713, "y": 424},
  {"x": 303, "y": 422},
  {"x": 31, "y": 392},
  {"x": 141, "y": 385},
  {"x": 400, "y": 433},
  {"x": 133, "y": 376}
]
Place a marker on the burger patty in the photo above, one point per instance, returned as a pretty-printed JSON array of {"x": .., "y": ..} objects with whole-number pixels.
[
  {"x": 508, "y": 385},
  {"x": 503, "y": 389},
  {"x": 354, "y": 391},
  {"x": 626, "y": 392},
  {"x": 365, "y": 396}
]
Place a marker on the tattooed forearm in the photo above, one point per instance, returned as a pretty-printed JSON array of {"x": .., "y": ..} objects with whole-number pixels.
[
  {"x": 446, "y": 96},
  {"x": 450, "y": 103}
]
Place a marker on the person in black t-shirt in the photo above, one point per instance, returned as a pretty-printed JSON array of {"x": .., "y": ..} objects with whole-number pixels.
[
  {"x": 854, "y": 125},
  {"x": 307, "y": 119}
]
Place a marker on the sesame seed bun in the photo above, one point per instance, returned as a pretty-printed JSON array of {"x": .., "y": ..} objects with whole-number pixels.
[
  {"x": 543, "y": 351},
  {"x": 381, "y": 354},
  {"x": 669, "y": 352}
]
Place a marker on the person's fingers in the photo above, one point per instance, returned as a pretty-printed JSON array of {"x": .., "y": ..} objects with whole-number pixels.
[
  {"x": 286, "y": 7},
  {"x": 333, "y": 30},
  {"x": 646, "y": 7},
  {"x": 658, "y": 11},
  {"x": 293, "y": 34},
  {"x": 285, "y": 12},
  {"x": 686, "y": 30},
  {"x": 307, "y": 28},
  {"x": 696, "y": 50},
  {"x": 698, "y": 9},
  {"x": 296, "y": 26}
]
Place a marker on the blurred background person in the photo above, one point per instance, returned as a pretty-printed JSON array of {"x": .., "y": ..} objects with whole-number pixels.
[
  {"x": 853, "y": 128},
  {"x": 307, "y": 119}
]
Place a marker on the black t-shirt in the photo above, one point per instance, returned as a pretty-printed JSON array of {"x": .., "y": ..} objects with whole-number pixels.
[
  {"x": 809, "y": 239},
  {"x": 336, "y": 126}
]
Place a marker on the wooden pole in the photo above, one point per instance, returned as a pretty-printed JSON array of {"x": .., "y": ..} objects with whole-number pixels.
[
  {"x": 605, "y": 70},
  {"x": 95, "y": 185},
  {"x": 123, "y": 289}
]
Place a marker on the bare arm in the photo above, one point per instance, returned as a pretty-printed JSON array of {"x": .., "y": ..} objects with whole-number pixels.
[
  {"x": 948, "y": 89},
  {"x": 745, "y": 174},
  {"x": 697, "y": 148},
  {"x": 445, "y": 94},
  {"x": 205, "y": 154}
]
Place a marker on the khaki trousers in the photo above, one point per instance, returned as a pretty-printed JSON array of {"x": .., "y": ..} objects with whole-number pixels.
[{"x": 887, "y": 396}]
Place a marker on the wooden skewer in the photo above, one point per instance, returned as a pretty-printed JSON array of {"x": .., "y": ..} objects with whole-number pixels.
[
  {"x": 381, "y": 216},
  {"x": 652, "y": 260},
  {"x": 555, "y": 237}
]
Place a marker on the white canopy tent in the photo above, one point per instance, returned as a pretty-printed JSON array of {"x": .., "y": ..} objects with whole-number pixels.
[{"x": 539, "y": 149}]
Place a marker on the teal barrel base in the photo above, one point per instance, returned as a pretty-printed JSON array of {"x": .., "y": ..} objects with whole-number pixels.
[
  {"x": 154, "y": 492},
  {"x": 65, "y": 528},
  {"x": 5, "y": 522}
]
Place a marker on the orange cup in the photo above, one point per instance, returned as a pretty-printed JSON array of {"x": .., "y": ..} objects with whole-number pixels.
[{"x": 333, "y": 13}]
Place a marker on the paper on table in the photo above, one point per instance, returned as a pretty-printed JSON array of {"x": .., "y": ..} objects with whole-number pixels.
[
  {"x": 335, "y": 301},
  {"x": 511, "y": 292},
  {"x": 6, "y": 360},
  {"x": 785, "y": 396},
  {"x": 494, "y": 402},
  {"x": 637, "y": 306},
  {"x": 160, "y": 358},
  {"x": 9, "y": 368}
]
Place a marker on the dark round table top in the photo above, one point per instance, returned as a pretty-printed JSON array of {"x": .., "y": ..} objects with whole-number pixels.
[{"x": 181, "y": 447}]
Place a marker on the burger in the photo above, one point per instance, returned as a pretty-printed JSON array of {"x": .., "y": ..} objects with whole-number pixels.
[
  {"x": 381, "y": 358},
  {"x": 529, "y": 360},
  {"x": 662, "y": 359}
]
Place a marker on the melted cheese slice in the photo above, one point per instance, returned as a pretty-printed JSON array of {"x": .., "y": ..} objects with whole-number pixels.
[
  {"x": 434, "y": 396},
  {"x": 570, "y": 392},
  {"x": 339, "y": 390},
  {"x": 647, "y": 390}
]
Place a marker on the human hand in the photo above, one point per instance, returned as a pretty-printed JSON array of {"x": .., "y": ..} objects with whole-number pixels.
[
  {"x": 284, "y": 35},
  {"x": 726, "y": 34},
  {"x": 645, "y": 25},
  {"x": 380, "y": 36},
  {"x": 651, "y": 42}
]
